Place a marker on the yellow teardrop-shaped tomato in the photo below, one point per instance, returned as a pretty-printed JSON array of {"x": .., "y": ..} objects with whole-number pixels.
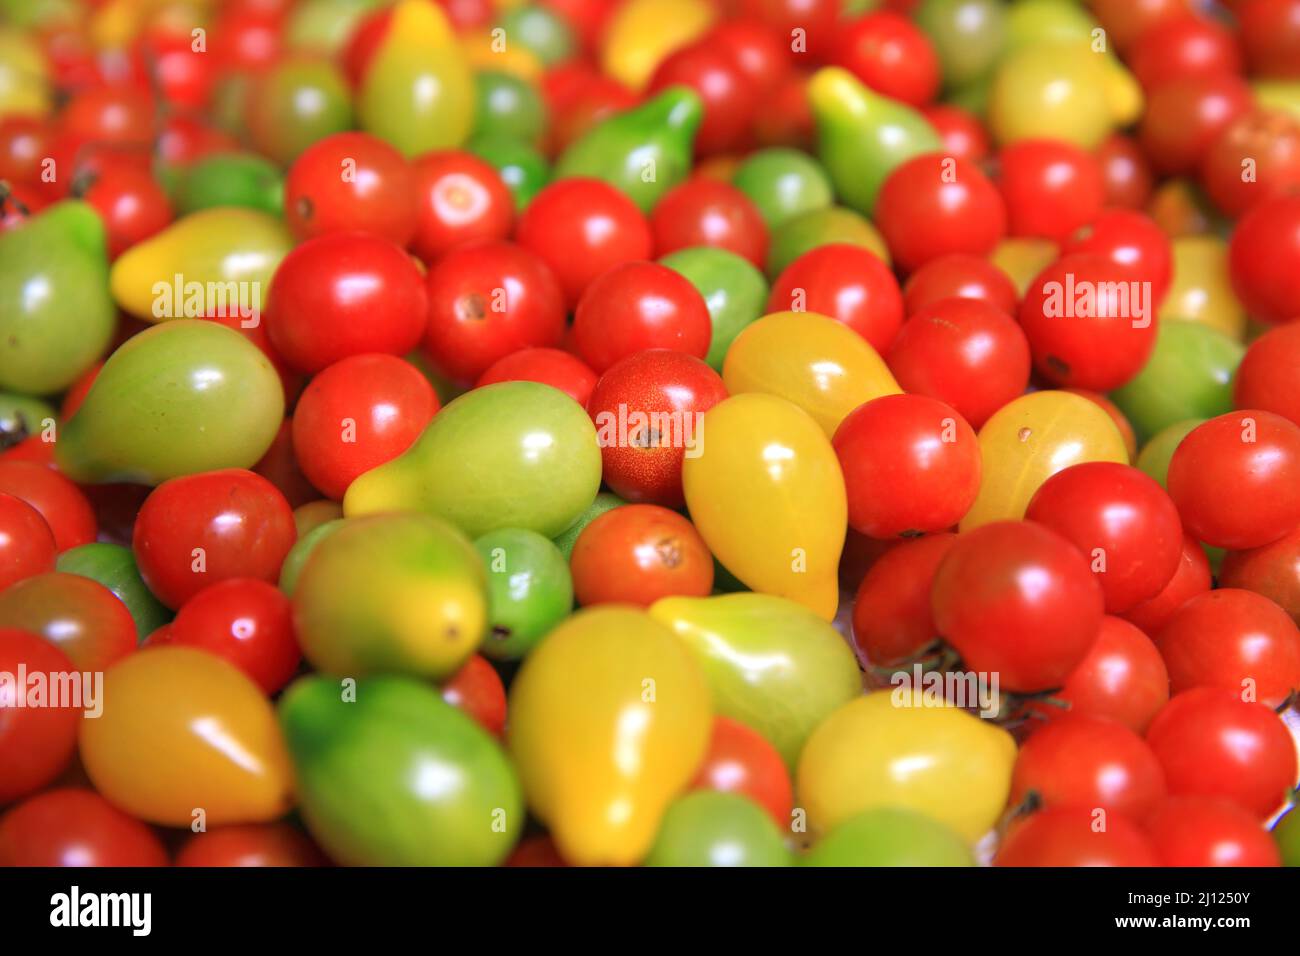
[{"x": 641, "y": 33}]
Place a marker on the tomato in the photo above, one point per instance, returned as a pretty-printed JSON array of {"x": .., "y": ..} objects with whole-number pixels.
[
  {"x": 582, "y": 228},
  {"x": 487, "y": 300},
  {"x": 1189, "y": 45},
  {"x": 1266, "y": 376},
  {"x": 911, "y": 465},
  {"x": 1270, "y": 33},
  {"x": 1016, "y": 598},
  {"x": 291, "y": 380},
  {"x": 1050, "y": 187},
  {"x": 1122, "y": 678},
  {"x": 648, "y": 409},
  {"x": 1126, "y": 20},
  {"x": 965, "y": 352},
  {"x": 962, "y": 133},
  {"x": 1133, "y": 242},
  {"x": 1075, "y": 836},
  {"x": 62, "y": 504},
  {"x": 553, "y": 367},
  {"x": 26, "y": 542},
  {"x": 251, "y": 844},
  {"x": 1123, "y": 522},
  {"x": 345, "y": 294},
  {"x": 740, "y": 760},
  {"x": 67, "y": 827},
  {"x": 351, "y": 182},
  {"x": 1125, "y": 171},
  {"x": 846, "y": 282},
  {"x": 706, "y": 212},
  {"x": 459, "y": 198},
  {"x": 892, "y": 617},
  {"x": 1207, "y": 831},
  {"x": 935, "y": 205},
  {"x": 1262, "y": 256},
  {"x": 960, "y": 276},
  {"x": 1264, "y": 142},
  {"x": 357, "y": 414},
  {"x": 1236, "y": 479},
  {"x": 708, "y": 828},
  {"x": 131, "y": 204},
  {"x": 761, "y": 53},
  {"x": 1117, "y": 417},
  {"x": 1273, "y": 571},
  {"x": 24, "y": 143},
  {"x": 79, "y": 616},
  {"x": 477, "y": 689},
  {"x": 636, "y": 306},
  {"x": 638, "y": 554},
  {"x": 1191, "y": 578},
  {"x": 714, "y": 72},
  {"x": 1212, "y": 743},
  {"x": 36, "y": 742},
  {"x": 890, "y": 54},
  {"x": 195, "y": 531},
  {"x": 1184, "y": 116},
  {"x": 119, "y": 114}
]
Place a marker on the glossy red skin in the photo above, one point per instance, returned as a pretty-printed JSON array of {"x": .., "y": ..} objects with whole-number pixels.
[
  {"x": 554, "y": 367},
  {"x": 1016, "y": 598},
  {"x": 961, "y": 276},
  {"x": 935, "y": 205},
  {"x": 1099, "y": 343},
  {"x": 1125, "y": 172},
  {"x": 1122, "y": 678},
  {"x": 1117, "y": 515},
  {"x": 280, "y": 467},
  {"x": 1261, "y": 260},
  {"x": 708, "y": 212},
  {"x": 36, "y": 743},
  {"x": 1233, "y": 492},
  {"x": 648, "y": 468},
  {"x": 477, "y": 690},
  {"x": 1192, "y": 577},
  {"x": 1234, "y": 639},
  {"x": 1273, "y": 571},
  {"x": 762, "y": 55},
  {"x": 251, "y": 844},
  {"x": 960, "y": 131},
  {"x": 26, "y": 542},
  {"x": 241, "y": 521},
  {"x": 582, "y": 228},
  {"x": 638, "y": 306},
  {"x": 637, "y": 554},
  {"x": 246, "y": 622},
  {"x": 80, "y": 617},
  {"x": 118, "y": 114},
  {"x": 1184, "y": 116},
  {"x": 846, "y": 282},
  {"x": 130, "y": 203},
  {"x": 1188, "y": 45},
  {"x": 1069, "y": 836},
  {"x": 246, "y": 38},
  {"x": 730, "y": 101},
  {"x": 384, "y": 398},
  {"x": 1126, "y": 20},
  {"x": 819, "y": 19},
  {"x": 59, "y": 501},
  {"x": 345, "y": 294},
  {"x": 1270, "y": 34},
  {"x": 1110, "y": 408},
  {"x": 1212, "y": 743},
  {"x": 1266, "y": 376},
  {"x": 911, "y": 465},
  {"x": 740, "y": 760},
  {"x": 965, "y": 352},
  {"x": 1132, "y": 241},
  {"x": 890, "y": 54},
  {"x": 487, "y": 300},
  {"x": 379, "y": 198},
  {"x": 892, "y": 617},
  {"x": 70, "y": 827},
  {"x": 182, "y": 75},
  {"x": 1207, "y": 831},
  {"x": 459, "y": 198},
  {"x": 1050, "y": 187},
  {"x": 1084, "y": 761},
  {"x": 787, "y": 120},
  {"x": 1268, "y": 138},
  {"x": 24, "y": 143}
]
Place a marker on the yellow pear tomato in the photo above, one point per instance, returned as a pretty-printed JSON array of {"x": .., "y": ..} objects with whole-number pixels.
[
  {"x": 1201, "y": 290},
  {"x": 641, "y": 33}
]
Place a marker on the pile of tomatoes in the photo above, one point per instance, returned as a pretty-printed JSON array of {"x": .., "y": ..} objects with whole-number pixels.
[{"x": 664, "y": 432}]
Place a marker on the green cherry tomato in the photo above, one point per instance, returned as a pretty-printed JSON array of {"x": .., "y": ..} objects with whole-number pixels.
[
  {"x": 820, "y": 227},
  {"x": 23, "y": 415},
  {"x": 530, "y": 590},
  {"x": 521, "y": 166},
  {"x": 605, "y": 501},
  {"x": 889, "y": 836},
  {"x": 710, "y": 828},
  {"x": 302, "y": 549},
  {"x": 783, "y": 183},
  {"x": 968, "y": 36},
  {"x": 295, "y": 104},
  {"x": 734, "y": 291},
  {"x": 230, "y": 179},
  {"x": 507, "y": 106},
  {"x": 541, "y": 31},
  {"x": 113, "y": 566},
  {"x": 1155, "y": 454}
]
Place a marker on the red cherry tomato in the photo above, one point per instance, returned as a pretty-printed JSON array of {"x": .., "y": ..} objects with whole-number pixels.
[
  {"x": 119, "y": 114},
  {"x": 890, "y": 54},
  {"x": 1188, "y": 45},
  {"x": 182, "y": 75},
  {"x": 195, "y": 531},
  {"x": 582, "y": 228},
  {"x": 1191, "y": 578},
  {"x": 477, "y": 689},
  {"x": 965, "y": 352},
  {"x": 1270, "y": 33},
  {"x": 818, "y": 19},
  {"x": 280, "y": 467},
  {"x": 1266, "y": 142},
  {"x": 60, "y": 502},
  {"x": 459, "y": 198},
  {"x": 960, "y": 131},
  {"x": 708, "y": 212},
  {"x": 959, "y": 276},
  {"x": 740, "y": 760},
  {"x": 1266, "y": 376},
  {"x": 36, "y": 743},
  {"x": 1184, "y": 116},
  {"x": 647, "y": 409},
  {"x": 1208, "y": 831},
  {"x": 251, "y": 844},
  {"x": 637, "y": 306},
  {"x": 847, "y": 283},
  {"x": 350, "y": 182},
  {"x": 131, "y": 204},
  {"x": 788, "y": 119},
  {"x": 1126, "y": 20},
  {"x": 1016, "y": 598},
  {"x": 68, "y": 827},
  {"x": 1132, "y": 241},
  {"x": 1123, "y": 678},
  {"x": 1273, "y": 571},
  {"x": 892, "y": 618},
  {"x": 714, "y": 72},
  {"x": 26, "y": 542},
  {"x": 1262, "y": 255},
  {"x": 24, "y": 144},
  {"x": 761, "y": 53},
  {"x": 486, "y": 301},
  {"x": 1236, "y": 479},
  {"x": 637, "y": 554},
  {"x": 80, "y": 617},
  {"x": 246, "y": 36},
  {"x": 1125, "y": 171},
  {"x": 345, "y": 294},
  {"x": 1075, "y": 836},
  {"x": 553, "y": 367},
  {"x": 1051, "y": 188}
]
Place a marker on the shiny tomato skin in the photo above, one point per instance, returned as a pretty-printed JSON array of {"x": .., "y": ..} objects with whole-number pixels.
[
  {"x": 846, "y": 282},
  {"x": 119, "y": 114},
  {"x": 1132, "y": 241},
  {"x": 1208, "y": 831},
  {"x": 36, "y": 743},
  {"x": 345, "y": 294},
  {"x": 714, "y": 72},
  {"x": 762, "y": 55},
  {"x": 1125, "y": 171},
  {"x": 554, "y": 367},
  {"x": 375, "y": 198},
  {"x": 1184, "y": 115},
  {"x": 740, "y": 760},
  {"x": 61, "y": 503},
  {"x": 637, "y": 554},
  {"x": 1270, "y": 34},
  {"x": 200, "y": 529},
  {"x": 1181, "y": 46},
  {"x": 70, "y": 827},
  {"x": 1068, "y": 836},
  {"x": 1266, "y": 376},
  {"x": 459, "y": 198},
  {"x": 1122, "y": 678},
  {"x": 709, "y": 212},
  {"x": 892, "y": 617},
  {"x": 26, "y": 541},
  {"x": 960, "y": 131},
  {"x": 1273, "y": 571},
  {"x": 487, "y": 300},
  {"x": 638, "y": 306},
  {"x": 1192, "y": 577},
  {"x": 647, "y": 466},
  {"x": 81, "y": 617},
  {"x": 130, "y": 203},
  {"x": 1269, "y": 141},
  {"x": 960, "y": 276},
  {"x": 1050, "y": 187},
  {"x": 251, "y": 844},
  {"x": 477, "y": 690},
  {"x": 1261, "y": 260},
  {"x": 890, "y": 54}
]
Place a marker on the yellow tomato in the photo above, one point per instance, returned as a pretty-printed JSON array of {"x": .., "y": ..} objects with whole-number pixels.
[
  {"x": 181, "y": 731},
  {"x": 24, "y": 86},
  {"x": 1023, "y": 258},
  {"x": 767, "y": 495},
  {"x": 1201, "y": 290},
  {"x": 891, "y": 748},
  {"x": 641, "y": 33},
  {"x": 821, "y": 365},
  {"x": 609, "y": 720},
  {"x": 1032, "y": 438},
  {"x": 483, "y": 53}
]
